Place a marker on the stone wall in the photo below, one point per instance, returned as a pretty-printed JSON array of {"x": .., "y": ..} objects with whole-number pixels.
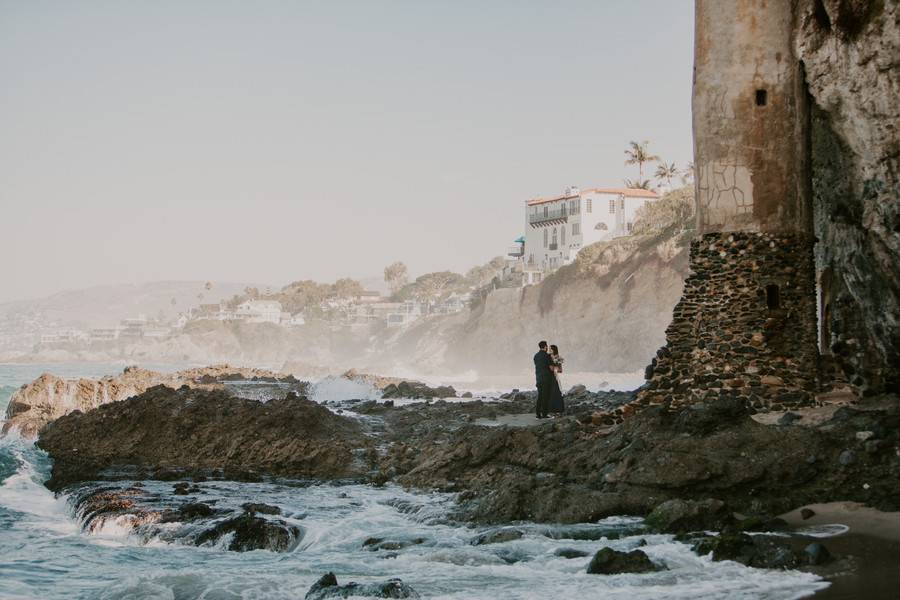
[{"x": 745, "y": 325}]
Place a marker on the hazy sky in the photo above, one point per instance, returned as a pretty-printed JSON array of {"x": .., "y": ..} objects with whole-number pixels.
[{"x": 275, "y": 141}]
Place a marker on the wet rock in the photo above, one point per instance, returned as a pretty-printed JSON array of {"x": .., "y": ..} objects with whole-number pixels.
[
  {"x": 264, "y": 509},
  {"x": 418, "y": 390},
  {"x": 327, "y": 587},
  {"x": 847, "y": 458},
  {"x": 570, "y": 553},
  {"x": 378, "y": 544},
  {"x": 609, "y": 562},
  {"x": 816, "y": 554},
  {"x": 466, "y": 395},
  {"x": 188, "y": 512},
  {"x": 497, "y": 536},
  {"x": 753, "y": 551},
  {"x": 190, "y": 430},
  {"x": 253, "y": 533},
  {"x": 683, "y": 516}
]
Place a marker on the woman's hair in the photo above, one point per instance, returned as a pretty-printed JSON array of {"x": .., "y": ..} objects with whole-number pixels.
[{"x": 554, "y": 349}]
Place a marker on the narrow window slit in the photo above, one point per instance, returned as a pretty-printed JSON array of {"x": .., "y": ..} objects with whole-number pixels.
[
  {"x": 773, "y": 297},
  {"x": 761, "y": 97}
]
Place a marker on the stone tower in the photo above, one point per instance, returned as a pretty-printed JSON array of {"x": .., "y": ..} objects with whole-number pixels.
[{"x": 746, "y": 323}]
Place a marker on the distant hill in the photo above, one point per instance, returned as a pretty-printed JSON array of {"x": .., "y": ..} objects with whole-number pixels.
[{"x": 106, "y": 305}]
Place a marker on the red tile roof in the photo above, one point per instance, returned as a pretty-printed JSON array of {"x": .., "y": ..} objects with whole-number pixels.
[{"x": 627, "y": 192}]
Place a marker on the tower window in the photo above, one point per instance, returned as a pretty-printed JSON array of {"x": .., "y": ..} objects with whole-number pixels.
[
  {"x": 773, "y": 297},
  {"x": 761, "y": 97}
]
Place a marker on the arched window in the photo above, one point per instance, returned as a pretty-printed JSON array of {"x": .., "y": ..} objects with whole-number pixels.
[{"x": 601, "y": 226}]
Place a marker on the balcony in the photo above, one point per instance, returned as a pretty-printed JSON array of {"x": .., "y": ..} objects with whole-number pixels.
[
  {"x": 554, "y": 247},
  {"x": 516, "y": 251},
  {"x": 553, "y": 216}
]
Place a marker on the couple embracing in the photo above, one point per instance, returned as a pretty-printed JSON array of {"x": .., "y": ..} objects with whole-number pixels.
[{"x": 547, "y": 371}]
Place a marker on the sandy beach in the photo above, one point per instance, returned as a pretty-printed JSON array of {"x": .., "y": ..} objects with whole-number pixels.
[{"x": 867, "y": 556}]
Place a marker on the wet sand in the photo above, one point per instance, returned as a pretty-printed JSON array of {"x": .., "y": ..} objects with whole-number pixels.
[{"x": 867, "y": 557}]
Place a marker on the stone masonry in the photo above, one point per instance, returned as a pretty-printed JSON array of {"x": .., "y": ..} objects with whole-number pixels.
[{"x": 745, "y": 325}]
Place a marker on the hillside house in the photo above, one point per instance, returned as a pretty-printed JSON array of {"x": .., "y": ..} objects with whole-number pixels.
[
  {"x": 259, "y": 311},
  {"x": 557, "y": 228}
]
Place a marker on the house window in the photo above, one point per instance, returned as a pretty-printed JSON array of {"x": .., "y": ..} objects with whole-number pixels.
[
  {"x": 562, "y": 235},
  {"x": 630, "y": 226},
  {"x": 576, "y": 228},
  {"x": 574, "y": 206},
  {"x": 588, "y": 204},
  {"x": 612, "y": 207},
  {"x": 554, "y": 237},
  {"x": 546, "y": 235},
  {"x": 546, "y": 211},
  {"x": 621, "y": 202}
]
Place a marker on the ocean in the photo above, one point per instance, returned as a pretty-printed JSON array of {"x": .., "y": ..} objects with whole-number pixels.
[{"x": 45, "y": 553}]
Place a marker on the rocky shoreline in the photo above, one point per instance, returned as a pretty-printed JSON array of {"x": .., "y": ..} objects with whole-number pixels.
[{"x": 721, "y": 466}]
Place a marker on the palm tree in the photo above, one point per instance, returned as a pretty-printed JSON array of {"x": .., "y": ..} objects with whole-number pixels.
[
  {"x": 638, "y": 154},
  {"x": 666, "y": 171},
  {"x": 637, "y": 184}
]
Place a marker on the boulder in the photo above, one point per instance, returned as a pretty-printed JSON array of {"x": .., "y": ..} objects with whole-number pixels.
[
  {"x": 609, "y": 562},
  {"x": 253, "y": 533},
  {"x": 762, "y": 552},
  {"x": 327, "y": 587},
  {"x": 497, "y": 536},
  {"x": 684, "y": 516},
  {"x": 265, "y": 509},
  {"x": 816, "y": 554}
]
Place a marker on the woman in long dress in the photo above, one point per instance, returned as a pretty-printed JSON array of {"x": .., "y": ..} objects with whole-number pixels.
[{"x": 557, "y": 404}]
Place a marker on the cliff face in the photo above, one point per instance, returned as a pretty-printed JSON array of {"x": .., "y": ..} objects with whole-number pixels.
[
  {"x": 850, "y": 50},
  {"x": 607, "y": 312}
]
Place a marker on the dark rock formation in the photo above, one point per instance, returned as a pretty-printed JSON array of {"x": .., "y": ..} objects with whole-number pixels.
[
  {"x": 418, "y": 390},
  {"x": 253, "y": 533},
  {"x": 196, "y": 430},
  {"x": 609, "y": 562},
  {"x": 498, "y": 536},
  {"x": 684, "y": 516},
  {"x": 566, "y": 471},
  {"x": 327, "y": 587},
  {"x": 764, "y": 552}
]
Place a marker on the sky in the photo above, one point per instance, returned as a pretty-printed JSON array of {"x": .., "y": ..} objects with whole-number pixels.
[{"x": 275, "y": 141}]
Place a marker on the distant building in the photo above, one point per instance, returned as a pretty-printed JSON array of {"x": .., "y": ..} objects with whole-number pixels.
[
  {"x": 259, "y": 311},
  {"x": 367, "y": 297},
  {"x": 557, "y": 228},
  {"x": 104, "y": 334}
]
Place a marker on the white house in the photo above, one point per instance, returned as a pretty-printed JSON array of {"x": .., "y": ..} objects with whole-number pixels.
[
  {"x": 557, "y": 228},
  {"x": 259, "y": 311}
]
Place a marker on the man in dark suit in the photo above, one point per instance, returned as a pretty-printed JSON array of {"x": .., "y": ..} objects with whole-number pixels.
[{"x": 543, "y": 376}]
